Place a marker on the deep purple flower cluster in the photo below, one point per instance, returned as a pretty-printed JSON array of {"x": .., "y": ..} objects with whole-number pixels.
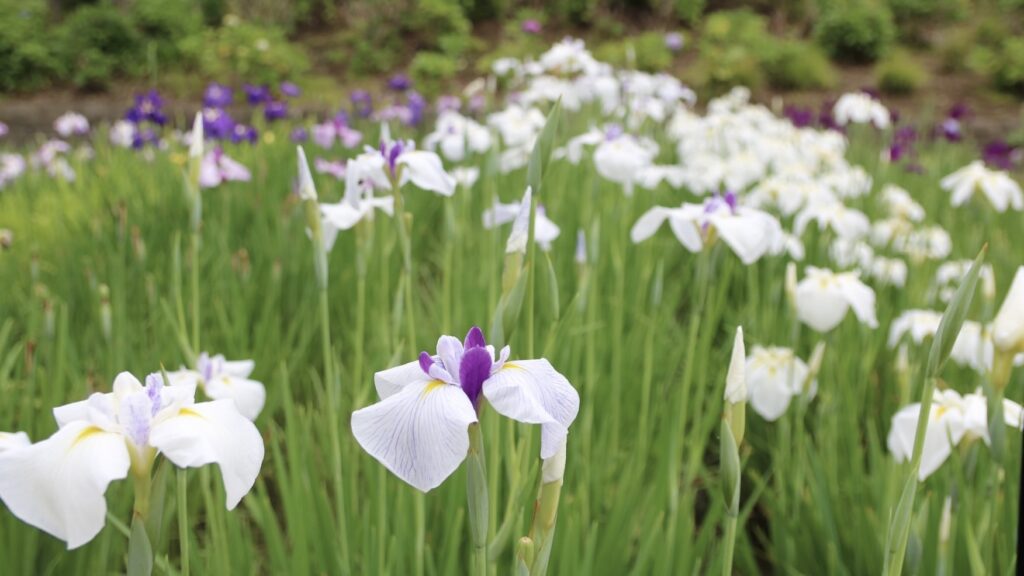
[{"x": 147, "y": 115}]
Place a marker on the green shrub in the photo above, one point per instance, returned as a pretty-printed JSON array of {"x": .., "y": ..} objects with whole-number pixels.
[
  {"x": 243, "y": 51},
  {"x": 690, "y": 11},
  {"x": 731, "y": 50},
  {"x": 899, "y": 73},
  {"x": 1009, "y": 72},
  {"x": 649, "y": 52},
  {"x": 432, "y": 72},
  {"x": 96, "y": 43},
  {"x": 27, "y": 60},
  {"x": 797, "y": 65},
  {"x": 438, "y": 25},
  {"x": 166, "y": 22},
  {"x": 856, "y": 32}
]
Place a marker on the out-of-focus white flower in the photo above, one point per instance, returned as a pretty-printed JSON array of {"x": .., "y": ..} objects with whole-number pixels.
[
  {"x": 1001, "y": 190},
  {"x": 890, "y": 271},
  {"x": 122, "y": 134},
  {"x": 847, "y": 223},
  {"x": 900, "y": 204},
  {"x": 455, "y": 135},
  {"x": 749, "y": 232},
  {"x": 953, "y": 419},
  {"x": 466, "y": 176},
  {"x": 223, "y": 379},
  {"x": 11, "y": 167},
  {"x": 824, "y": 297},
  {"x": 218, "y": 167},
  {"x": 71, "y": 124},
  {"x": 517, "y": 126},
  {"x": 860, "y": 108},
  {"x": 774, "y": 377},
  {"x": 949, "y": 275},
  {"x": 545, "y": 231},
  {"x": 621, "y": 158},
  {"x": 1008, "y": 326},
  {"x": 919, "y": 324}
]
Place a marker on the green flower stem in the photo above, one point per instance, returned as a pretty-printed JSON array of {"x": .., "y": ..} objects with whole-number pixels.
[{"x": 183, "y": 526}]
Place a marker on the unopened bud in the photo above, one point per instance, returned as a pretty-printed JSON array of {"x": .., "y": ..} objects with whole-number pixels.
[
  {"x": 791, "y": 284},
  {"x": 553, "y": 469}
]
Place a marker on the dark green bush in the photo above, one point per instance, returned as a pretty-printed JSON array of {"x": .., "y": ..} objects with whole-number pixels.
[
  {"x": 438, "y": 25},
  {"x": 856, "y": 32},
  {"x": 166, "y": 22},
  {"x": 797, "y": 65},
  {"x": 243, "y": 51},
  {"x": 1009, "y": 72},
  {"x": 96, "y": 43},
  {"x": 690, "y": 11},
  {"x": 731, "y": 50},
  {"x": 899, "y": 73},
  {"x": 27, "y": 60},
  {"x": 432, "y": 72}
]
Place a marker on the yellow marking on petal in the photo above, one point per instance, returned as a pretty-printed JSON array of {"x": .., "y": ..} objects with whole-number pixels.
[
  {"x": 431, "y": 386},
  {"x": 939, "y": 411},
  {"x": 190, "y": 412},
  {"x": 85, "y": 435},
  {"x": 513, "y": 366}
]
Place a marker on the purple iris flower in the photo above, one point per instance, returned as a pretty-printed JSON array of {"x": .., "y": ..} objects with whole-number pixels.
[
  {"x": 362, "y": 103},
  {"x": 959, "y": 111},
  {"x": 903, "y": 141},
  {"x": 799, "y": 116},
  {"x": 217, "y": 124},
  {"x": 143, "y": 137},
  {"x": 275, "y": 111},
  {"x": 531, "y": 26},
  {"x": 300, "y": 134},
  {"x": 474, "y": 367},
  {"x": 256, "y": 95},
  {"x": 290, "y": 90},
  {"x": 448, "y": 103},
  {"x": 399, "y": 82},
  {"x": 476, "y": 103},
  {"x": 243, "y": 133},
  {"x": 950, "y": 129},
  {"x": 674, "y": 41},
  {"x": 1001, "y": 155},
  {"x": 217, "y": 95},
  {"x": 826, "y": 119},
  {"x": 417, "y": 106},
  {"x": 148, "y": 107}
]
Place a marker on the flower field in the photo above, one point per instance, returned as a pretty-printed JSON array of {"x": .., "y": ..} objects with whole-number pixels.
[{"x": 569, "y": 320}]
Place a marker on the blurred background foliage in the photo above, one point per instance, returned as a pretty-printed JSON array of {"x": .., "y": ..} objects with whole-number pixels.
[{"x": 776, "y": 44}]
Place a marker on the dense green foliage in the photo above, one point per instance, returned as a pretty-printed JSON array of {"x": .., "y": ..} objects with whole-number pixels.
[
  {"x": 898, "y": 73},
  {"x": 857, "y": 32}
]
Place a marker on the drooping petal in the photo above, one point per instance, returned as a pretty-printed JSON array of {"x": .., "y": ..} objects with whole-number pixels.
[
  {"x": 424, "y": 169},
  {"x": 820, "y": 306},
  {"x": 749, "y": 237},
  {"x": 391, "y": 381},
  {"x": 239, "y": 368},
  {"x": 213, "y": 433},
  {"x": 531, "y": 391},
  {"x": 420, "y": 433},
  {"x": 97, "y": 409},
  {"x": 249, "y": 395},
  {"x": 649, "y": 223},
  {"x": 861, "y": 299},
  {"x": 58, "y": 485}
]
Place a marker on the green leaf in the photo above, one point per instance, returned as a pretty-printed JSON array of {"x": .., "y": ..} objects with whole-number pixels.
[
  {"x": 140, "y": 551},
  {"x": 541, "y": 152},
  {"x": 953, "y": 318},
  {"x": 512, "y": 304},
  {"x": 157, "y": 497},
  {"x": 550, "y": 307}
]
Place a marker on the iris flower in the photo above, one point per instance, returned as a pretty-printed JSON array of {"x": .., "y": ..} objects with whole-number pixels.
[
  {"x": 823, "y": 298},
  {"x": 217, "y": 167},
  {"x": 749, "y": 232},
  {"x": 419, "y": 429},
  {"x": 997, "y": 186},
  {"x": 225, "y": 379},
  {"x": 953, "y": 419},
  {"x": 774, "y": 376},
  {"x": 58, "y": 484},
  {"x": 545, "y": 231}
]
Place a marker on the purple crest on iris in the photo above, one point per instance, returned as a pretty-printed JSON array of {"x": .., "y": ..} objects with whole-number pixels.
[
  {"x": 362, "y": 103},
  {"x": 256, "y": 95},
  {"x": 300, "y": 134},
  {"x": 275, "y": 111},
  {"x": 950, "y": 129},
  {"x": 391, "y": 151},
  {"x": 290, "y": 89},
  {"x": 399, "y": 83},
  {"x": 217, "y": 95},
  {"x": 475, "y": 366},
  {"x": 612, "y": 131},
  {"x": 531, "y": 26}
]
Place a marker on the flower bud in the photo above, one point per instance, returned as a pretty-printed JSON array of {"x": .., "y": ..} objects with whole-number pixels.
[
  {"x": 1008, "y": 326},
  {"x": 553, "y": 469},
  {"x": 791, "y": 284}
]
